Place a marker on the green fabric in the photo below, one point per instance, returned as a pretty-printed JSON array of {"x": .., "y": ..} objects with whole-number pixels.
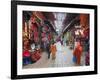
[{"x": 38, "y": 20}]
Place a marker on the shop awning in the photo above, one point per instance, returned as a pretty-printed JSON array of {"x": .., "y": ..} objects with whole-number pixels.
[
  {"x": 74, "y": 21},
  {"x": 39, "y": 15}
]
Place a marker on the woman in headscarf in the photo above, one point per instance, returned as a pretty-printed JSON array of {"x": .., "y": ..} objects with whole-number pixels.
[
  {"x": 53, "y": 50},
  {"x": 77, "y": 53}
]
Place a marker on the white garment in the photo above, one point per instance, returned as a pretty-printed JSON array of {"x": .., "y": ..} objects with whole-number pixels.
[
  {"x": 32, "y": 46},
  {"x": 58, "y": 46}
]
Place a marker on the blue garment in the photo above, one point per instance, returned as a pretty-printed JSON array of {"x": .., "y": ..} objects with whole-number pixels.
[
  {"x": 74, "y": 59},
  {"x": 26, "y": 60}
]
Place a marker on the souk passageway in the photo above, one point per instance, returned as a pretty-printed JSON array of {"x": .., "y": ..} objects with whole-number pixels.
[{"x": 55, "y": 39}]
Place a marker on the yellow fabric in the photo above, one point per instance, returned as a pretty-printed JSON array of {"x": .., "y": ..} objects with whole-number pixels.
[{"x": 53, "y": 50}]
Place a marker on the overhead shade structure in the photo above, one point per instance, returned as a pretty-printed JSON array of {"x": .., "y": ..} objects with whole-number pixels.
[
  {"x": 49, "y": 16},
  {"x": 69, "y": 18},
  {"x": 50, "y": 25},
  {"x": 60, "y": 17},
  {"x": 74, "y": 21},
  {"x": 39, "y": 15}
]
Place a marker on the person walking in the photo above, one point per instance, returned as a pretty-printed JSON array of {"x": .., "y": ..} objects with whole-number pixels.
[
  {"x": 53, "y": 50},
  {"x": 77, "y": 53},
  {"x": 48, "y": 50}
]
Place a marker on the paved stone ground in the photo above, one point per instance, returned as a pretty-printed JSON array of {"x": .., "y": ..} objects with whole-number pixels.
[{"x": 63, "y": 59}]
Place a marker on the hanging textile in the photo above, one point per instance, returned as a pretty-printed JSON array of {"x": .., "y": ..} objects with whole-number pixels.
[
  {"x": 38, "y": 20},
  {"x": 86, "y": 32},
  {"x": 43, "y": 34},
  {"x": 34, "y": 27},
  {"x": 36, "y": 36},
  {"x": 49, "y": 37}
]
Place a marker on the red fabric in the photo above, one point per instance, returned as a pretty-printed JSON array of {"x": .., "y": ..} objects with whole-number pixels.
[
  {"x": 40, "y": 15},
  {"x": 49, "y": 37},
  {"x": 26, "y": 53},
  {"x": 32, "y": 19},
  {"x": 78, "y": 52},
  {"x": 43, "y": 35},
  {"x": 34, "y": 27},
  {"x": 46, "y": 28},
  {"x": 36, "y": 56},
  {"x": 35, "y": 36},
  {"x": 86, "y": 32}
]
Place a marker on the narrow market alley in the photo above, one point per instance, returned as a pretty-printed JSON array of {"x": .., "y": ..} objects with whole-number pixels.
[
  {"x": 63, "y": 59},
  {"x": 55, "y": 39}
]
